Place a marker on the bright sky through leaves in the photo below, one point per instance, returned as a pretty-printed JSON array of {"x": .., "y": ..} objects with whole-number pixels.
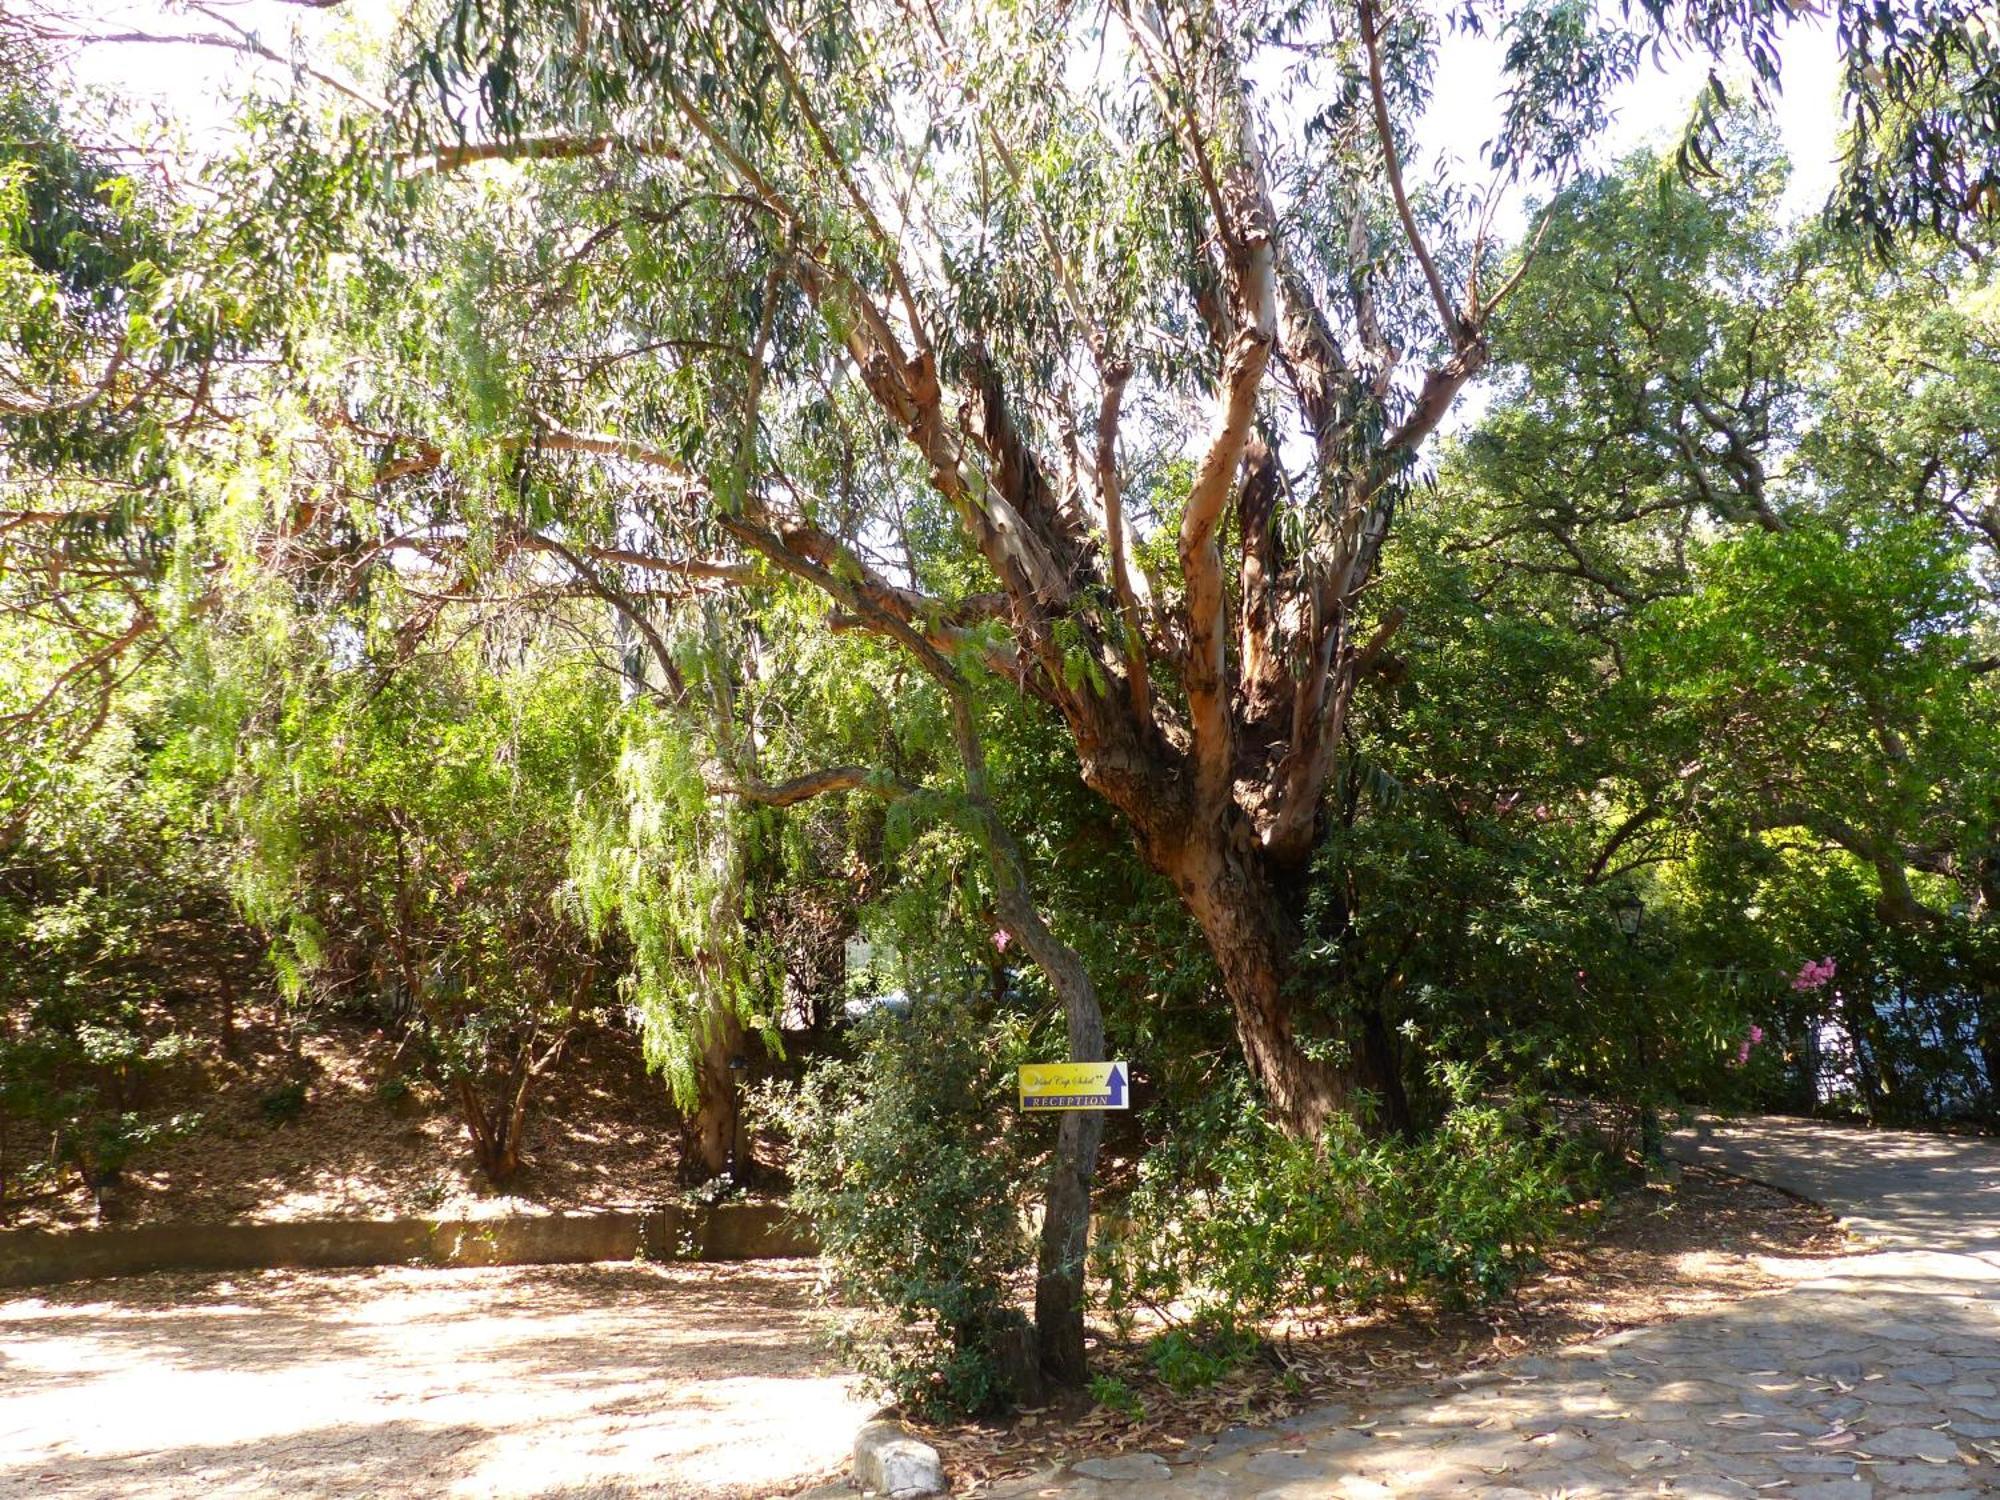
[{"x": 195, "y": 83}]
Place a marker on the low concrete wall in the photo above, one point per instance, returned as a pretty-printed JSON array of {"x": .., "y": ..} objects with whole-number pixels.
[{"x": 730, "y": 1231}]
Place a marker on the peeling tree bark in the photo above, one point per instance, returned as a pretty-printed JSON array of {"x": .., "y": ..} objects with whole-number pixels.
[{"x": 1212, "y": 721}]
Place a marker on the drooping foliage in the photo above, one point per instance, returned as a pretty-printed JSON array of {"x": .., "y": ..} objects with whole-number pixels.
[
  {"x": 410, "y": 846},
  {"x": 618, "y": 498}
]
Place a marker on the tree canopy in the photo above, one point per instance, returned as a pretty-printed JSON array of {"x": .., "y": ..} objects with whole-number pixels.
[{"x": 590, "y": 505}]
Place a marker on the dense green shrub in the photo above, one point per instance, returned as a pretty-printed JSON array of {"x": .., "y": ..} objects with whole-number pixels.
[
  {"x": 410, "y": 840},
  {"x": 76, "y": 1064},
  {"x": 90, "y": 991},
  {"x": 1199, "y": 1353},
  {"x": 1231, "y": 1217},
  {"x": 909, "y": 1169}
]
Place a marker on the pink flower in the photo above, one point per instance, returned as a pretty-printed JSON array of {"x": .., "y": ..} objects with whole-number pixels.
[
  {"x": 1001, "y": 939},
  {"x": 1742, "y": 1053},
  {"x": 1756, "y": 1035},
  {"x": 1813, "y": 975}
]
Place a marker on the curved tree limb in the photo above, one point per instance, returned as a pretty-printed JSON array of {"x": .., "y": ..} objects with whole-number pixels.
[
  {"x": 1385, "y": 132},
  {"x": 797, "y": 789},
  {"x": 1205, "y": 674}
]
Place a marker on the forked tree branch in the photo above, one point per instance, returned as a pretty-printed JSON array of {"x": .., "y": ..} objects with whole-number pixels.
[
  {"x": 1205, "y": 674},
  {"x": 1138, "y": 675}
]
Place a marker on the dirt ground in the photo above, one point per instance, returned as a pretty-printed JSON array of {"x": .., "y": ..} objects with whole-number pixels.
[
  {"x": 599, "y": 1381},
  {"x": 601, "y": 1135},
  {"x": 684, "y": 1380}
]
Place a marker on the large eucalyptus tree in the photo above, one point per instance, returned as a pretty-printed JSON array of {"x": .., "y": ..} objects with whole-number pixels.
[
  {"x": 1091, "y": 349},
  {"x": 993, "y": 273},
  {"x": 1087, "y": 349}
]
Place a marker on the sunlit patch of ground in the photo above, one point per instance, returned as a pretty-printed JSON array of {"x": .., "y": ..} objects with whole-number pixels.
[
  {"x": 602, "y": 1134},
  {"x": 583, "y": 1380}
]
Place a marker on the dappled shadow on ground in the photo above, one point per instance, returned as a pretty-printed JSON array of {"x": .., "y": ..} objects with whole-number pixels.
[
  {"x": 1871, "y": 1375},
  {"x": 579, "y": 1380},
  {"x": 1654, "y": 1252},
  {"x": 1897, "y": 1189},
  {"x": 337, "y": 1459},
  {"x": 1852, "y": 1375}
]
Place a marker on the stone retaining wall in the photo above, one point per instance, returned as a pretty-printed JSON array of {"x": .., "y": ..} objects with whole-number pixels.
[{"x": 730, "y": 1231}]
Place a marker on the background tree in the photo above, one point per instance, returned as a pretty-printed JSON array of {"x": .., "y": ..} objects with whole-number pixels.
[
  {"x": 1754, "y": 468},
  {"x": 409, "y": 843},
  {"x": 977, "y": 272}
]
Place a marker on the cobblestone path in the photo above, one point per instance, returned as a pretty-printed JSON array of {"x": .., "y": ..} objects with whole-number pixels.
[{"x": 1870, "y": 1374}]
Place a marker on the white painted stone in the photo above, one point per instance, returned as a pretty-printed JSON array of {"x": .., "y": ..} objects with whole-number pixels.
[{"x": 889, "y": 1461}]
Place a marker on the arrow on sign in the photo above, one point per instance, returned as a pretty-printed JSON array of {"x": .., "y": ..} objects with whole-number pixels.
[{"x": 1075, "y": 1085}]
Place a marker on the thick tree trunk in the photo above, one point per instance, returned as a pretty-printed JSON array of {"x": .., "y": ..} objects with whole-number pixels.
[
  {"x": 1254, "y": 940},
  {"x": 714, "y": 1131}
]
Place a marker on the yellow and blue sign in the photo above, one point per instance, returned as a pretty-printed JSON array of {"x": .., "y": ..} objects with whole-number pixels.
[{"x": 1074, "y": 1085}]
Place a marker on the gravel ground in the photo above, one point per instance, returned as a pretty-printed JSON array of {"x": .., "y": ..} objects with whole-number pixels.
[{"x": 607, "y": 1380}]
